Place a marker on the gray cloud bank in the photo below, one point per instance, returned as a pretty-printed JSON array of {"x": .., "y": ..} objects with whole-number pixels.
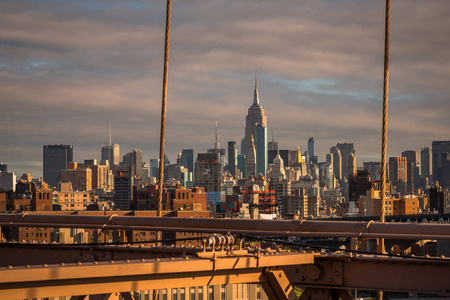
[{"x": 70, "y": 68}]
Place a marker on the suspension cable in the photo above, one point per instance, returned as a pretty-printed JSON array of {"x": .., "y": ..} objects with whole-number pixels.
[
  {"x": 163, "y": 115},
  {"x": 384, "y": 122}
]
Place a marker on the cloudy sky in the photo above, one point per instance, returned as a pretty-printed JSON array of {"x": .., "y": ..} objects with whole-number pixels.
[{"x": 70, "y": 68}]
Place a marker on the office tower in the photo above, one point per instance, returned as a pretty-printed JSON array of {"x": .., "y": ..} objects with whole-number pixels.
[
  {"x": 232, "y": 159},
  {"x": 3, "y": 167},
  {"x": 311, "y": 146},
  {"x": 261, "y": 149},
  {"x": 426, "y": 165},
  {"x": 111, "y": 153},
  {"x": 208, "y": 172},
  {"x": 272, "y": 145},
  {"x": 250, "y": 160},
  {"x": 187, "y": 159},
  {"x": 134, "y": 158},
  {"x": 241, "y": 165},
  {"x": 154, "y": 167},
  {"x": 441, "y": 162},
  {"x": 351, "y": 165},
  {"x": 123, "y": 187},
  {"x": 311, "y": 151},
  {"x": 398, "y": 173},
  {"x": 145, "y": 171},
  {"x": 256, "y": 115},
  {"x": 56, "y": 158},
  {"x": 374, "y": 168},
  {"x": 337, "y": 162},
  {"x": 346, "y": 149},
  {"x": 412, "y": 170}
]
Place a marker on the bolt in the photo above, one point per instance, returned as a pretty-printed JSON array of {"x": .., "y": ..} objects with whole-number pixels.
[
  {"x": 330, "y": 280},
  {"x": 143, "y": 260},
  {"x": 337, "y": 273},
  {"x": 111, "y": 261},
  {"x": 302, "y": 278},
  {"x": 63, "y": 264}
]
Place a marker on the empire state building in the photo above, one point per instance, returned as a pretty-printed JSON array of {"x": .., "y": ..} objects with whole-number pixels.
[{"x": 256, "y": 126}]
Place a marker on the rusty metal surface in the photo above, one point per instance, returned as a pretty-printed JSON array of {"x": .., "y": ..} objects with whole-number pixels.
[
  {"x": 261, "y": 227},
  {"x": 371, "y": 272},
  {"x": 49, "y": 280}
]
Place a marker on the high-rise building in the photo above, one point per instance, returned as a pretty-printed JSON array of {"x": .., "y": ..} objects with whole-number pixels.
[
  {"x": 208, "y": 172},
  {"x": 346, "y": 149},
  {"x": 374, "y": 168},
  {"x": 56, "y": 158},
  {"x": 134, "y": 158},
  {"x": 412, "y": 165},
  {"x": 261, "y": 149},
  {"x": 187, "y": 159},
  {"x": 111, "y": 153},
  {"x": 3, "y": 167},
  {"x": 232, "y": 159},
  {"x": 441, "y": 162},
  {"x": 311, "y": 146},
  {"x": 426, "y": 164},
  {"x": 398, "y": 172},
  {"x": 250, "y": 161},
  {"x": 272, "y": 145},
  {"x": 241, "y": 165},
  {"x": 311, "y": 151},
  {"x": 337, "y": 162},
  {"x": 154, "y": 167},
  {"x": 256, "y": 115},
  {"x": 123, "y": 187}
]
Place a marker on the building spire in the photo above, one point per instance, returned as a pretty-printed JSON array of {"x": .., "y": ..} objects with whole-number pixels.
[
  {"x": 216, "y": 144},
  {"x": 256, "y": 95},
  {"x": 110, "y": 134}
]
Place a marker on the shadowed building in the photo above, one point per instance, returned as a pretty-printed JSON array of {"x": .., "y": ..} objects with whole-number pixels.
[{"x": 56, "y": 158}]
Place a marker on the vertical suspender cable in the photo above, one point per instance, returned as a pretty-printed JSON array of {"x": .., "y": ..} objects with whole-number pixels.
[
  {"x": 163, "y": 113},
  {"x": 384, "y": 123},
  {"x": 385, "y": 108}
]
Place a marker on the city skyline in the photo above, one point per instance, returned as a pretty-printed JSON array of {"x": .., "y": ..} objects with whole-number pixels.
[{"x": 91, "y": 63}]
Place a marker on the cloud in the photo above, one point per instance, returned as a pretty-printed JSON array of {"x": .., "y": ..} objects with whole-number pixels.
[{"x": 70, "y": 68}]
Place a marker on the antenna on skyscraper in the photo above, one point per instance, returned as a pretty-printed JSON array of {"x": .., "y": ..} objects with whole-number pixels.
[
  {"x": 216, "y": 144},
  {"x": 110, "y": 134}
]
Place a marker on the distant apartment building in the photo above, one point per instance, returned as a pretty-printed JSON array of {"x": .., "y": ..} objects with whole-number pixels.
[
  {"x": 370, "y": 205},
  {"x": 68, "y": 199},
  {"x": 208, "y": 172},
  {"x": 80, "y": 177}
]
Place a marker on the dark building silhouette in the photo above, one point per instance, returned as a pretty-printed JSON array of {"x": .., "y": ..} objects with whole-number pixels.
[
  {"x": 437, "y": 200},
  {"x": 187, "y": 159},
  {"x": 232, "y": 159},
  {"x": 56, "y": 158},
  {"x": 441, "y": 162}
]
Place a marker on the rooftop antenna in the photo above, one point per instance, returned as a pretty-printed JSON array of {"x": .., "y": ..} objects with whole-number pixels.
[
  {"x": 216, "y": 144},
  {"x": 110, "y": 134}
]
